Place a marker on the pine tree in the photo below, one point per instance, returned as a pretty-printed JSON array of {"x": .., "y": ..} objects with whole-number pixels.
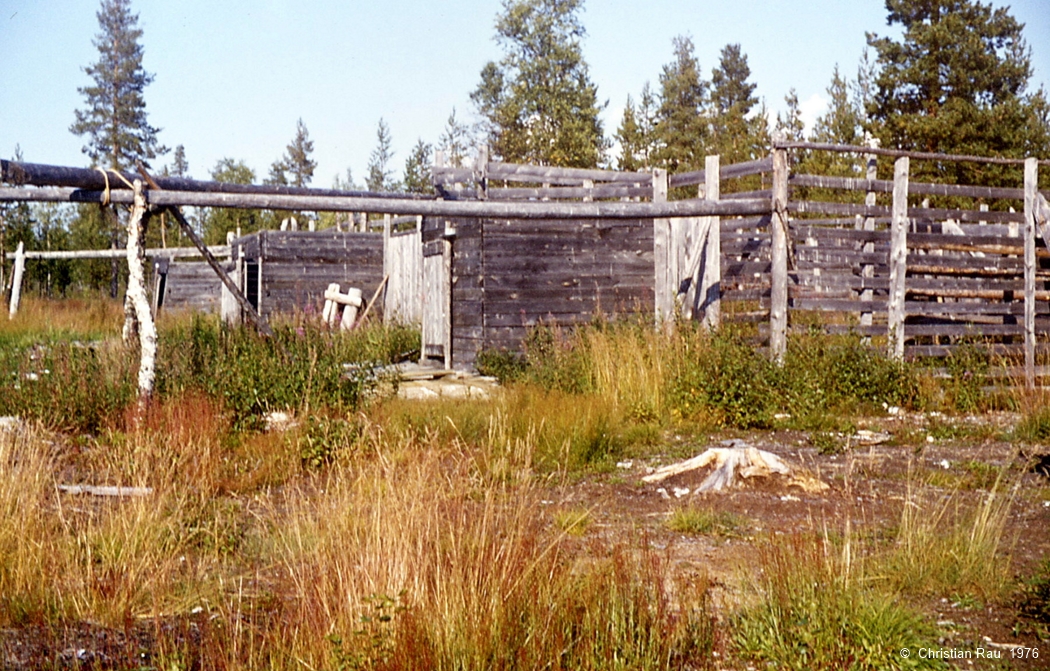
[
  {"x": 218, "y": 221},
  {"x": 114, "y": 119},
  {"x": 842, "y": 122},
  {"x": 379, "y": 171},
  {"x": 636, "y": 134},
  {"x": 180, "y": 167},
  {"x": 737, "y": 135},
  {"x": 455, "y": 141},
  {"x": 417, "y": 169},
  {"x": 957, "y": 83},
  {"x": 791, "y": 125},
  {"x": 538, "y": 102},
  {"x": 681, "y": 132},
  {"x": 297, "y": 159}
]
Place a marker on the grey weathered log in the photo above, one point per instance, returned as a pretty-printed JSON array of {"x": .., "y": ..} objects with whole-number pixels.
[
  {"x": 921, "y": 188},
  {"x": 897, "y": 153},
  {"x": 89, "y": 179},
  {"x": 599, "y": 191},
  {"x": 929, "y": 213},
  {"x": 898, "y": 258},
  {"x": 16, "y": 280},
  {"x": 152, "y": 252},
  {"x": 779, "y": 252},
  {"x": 515, "y": 210},
  {"x": 711, "y": 279},
  {"x": 868, "y": 226},
  {"x": 755, "y": 167},
  {"x": 1031, "y": 182},
  {"x": 536, "y": 173},
  {"x": 663, "y": 290}
]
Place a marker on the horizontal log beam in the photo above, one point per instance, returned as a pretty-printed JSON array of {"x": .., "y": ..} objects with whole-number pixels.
[
  {"x": 37, "y": 174},
  {"x": 518, "y": 172},
  {"x": 438, "y": 208},
  {"x": 897, "y": 153},
  {"x": 731, "y": 171},
  {"x": 169, "y": 252},
  {"x": 918, "y": 188},
  {"x": 919, "y": 213}
]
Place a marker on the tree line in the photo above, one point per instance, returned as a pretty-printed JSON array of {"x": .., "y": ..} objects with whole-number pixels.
[{"x": 958, "y": 81}]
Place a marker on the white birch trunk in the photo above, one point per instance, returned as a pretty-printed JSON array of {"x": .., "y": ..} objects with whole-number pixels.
[{"x": 137, "y": 299}]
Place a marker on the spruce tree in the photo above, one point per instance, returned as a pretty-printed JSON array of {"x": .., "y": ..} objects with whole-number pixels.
[
  {"x": 957, "y": 83},
  {"x": 180, "y": 167},
  {"x": 681, "y": 130},
  {"x": 379, "y": 171},
  {"x": 538, "y": 102},
  {"x": 455, "y": 141},
  {"x": 114, "y": 119},
  {"x": 297, "y": 159},
  {"x": 218, "y": 221},
  {"x": 636, "y": 134},
  {"x": 790, "y": 125},
  {"x": 417, "y": 169},
  {"x": 737, "y": 134}
]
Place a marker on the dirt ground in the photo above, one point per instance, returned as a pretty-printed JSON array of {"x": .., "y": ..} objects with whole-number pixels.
[{"x": 867, "y": 485}]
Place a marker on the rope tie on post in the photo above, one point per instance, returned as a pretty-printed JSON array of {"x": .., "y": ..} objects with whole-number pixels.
[{"x": 106, "y": 192}]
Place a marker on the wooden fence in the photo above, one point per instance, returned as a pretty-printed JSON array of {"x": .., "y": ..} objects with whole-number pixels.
[
  {"x": 502, "y": 246},
  {"x": 922, "y": 279}
]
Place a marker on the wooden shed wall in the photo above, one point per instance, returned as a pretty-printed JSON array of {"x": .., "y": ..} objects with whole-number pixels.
[
  {"x": 192, "y": 285},
  {"x": 508, "y": 275},
  {"x": 295, "y": 267}
]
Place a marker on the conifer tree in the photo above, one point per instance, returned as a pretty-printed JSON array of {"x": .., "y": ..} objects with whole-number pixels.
[
  {"x": 790, "y": 125},
  {"x": 538, "y": 102},
  {"x": 957, "y": 83},
  {"x": 218, "y": 221},
  {"x": 681, "y": 130},
  {"x": 180, "y": 167},
  {"x": 455, "y": 141},
  {"x": 297, "y": 159},
  {"x": 379, "y": 171},
  {"x": 417, "y": 169},
  {"x": 737, "y": 134},
  {"x": 114, "y": 119},
  {"x": 636, "y": 134}
]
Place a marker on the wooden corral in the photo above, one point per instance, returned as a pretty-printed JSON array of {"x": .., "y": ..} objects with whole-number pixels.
[
  {"x": 881, "y": 262},
  {"x": 503, "y": 246}
]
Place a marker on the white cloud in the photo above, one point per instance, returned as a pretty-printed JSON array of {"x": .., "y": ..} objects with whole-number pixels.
[{"x": 811, "y": 108}]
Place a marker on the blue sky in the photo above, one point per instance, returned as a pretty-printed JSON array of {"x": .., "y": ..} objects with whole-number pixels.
[{"x": 233, "y": 76}]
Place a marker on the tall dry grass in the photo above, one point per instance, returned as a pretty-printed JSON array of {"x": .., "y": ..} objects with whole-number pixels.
[
  {"x": 946, "y": 545},
  {"x": 79, "y": 318},
  {"x": 413, "y": 563}
]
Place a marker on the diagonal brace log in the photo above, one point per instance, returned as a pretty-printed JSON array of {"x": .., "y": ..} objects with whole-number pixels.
[{"x": 249, "y": 310}]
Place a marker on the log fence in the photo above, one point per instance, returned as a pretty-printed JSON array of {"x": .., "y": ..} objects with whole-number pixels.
[{"x": 507, "y": 245}]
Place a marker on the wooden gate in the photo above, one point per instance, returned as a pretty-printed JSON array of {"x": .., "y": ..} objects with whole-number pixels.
[{"x": 437, "y": 302}]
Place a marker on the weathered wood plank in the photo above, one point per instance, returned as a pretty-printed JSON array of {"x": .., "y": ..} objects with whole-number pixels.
[
  {"x": 1031, "y": 182},
  {"x": 779, "y": 235},
  {"x": 898, "y": 258}
]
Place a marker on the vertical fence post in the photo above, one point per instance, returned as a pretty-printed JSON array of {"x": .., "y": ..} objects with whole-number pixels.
[
  {"x": 16, "y": 280},
  {"x": 711, "y": 283},
  {"x": 778, "y": 234},
  {"x": 867, "y": 270},
  {"x": 1031, "y": 181},
  {"x": 663, "y": 289},
  {"x": 898, "y": 258},
  {"x": 481, "y": 173}
]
